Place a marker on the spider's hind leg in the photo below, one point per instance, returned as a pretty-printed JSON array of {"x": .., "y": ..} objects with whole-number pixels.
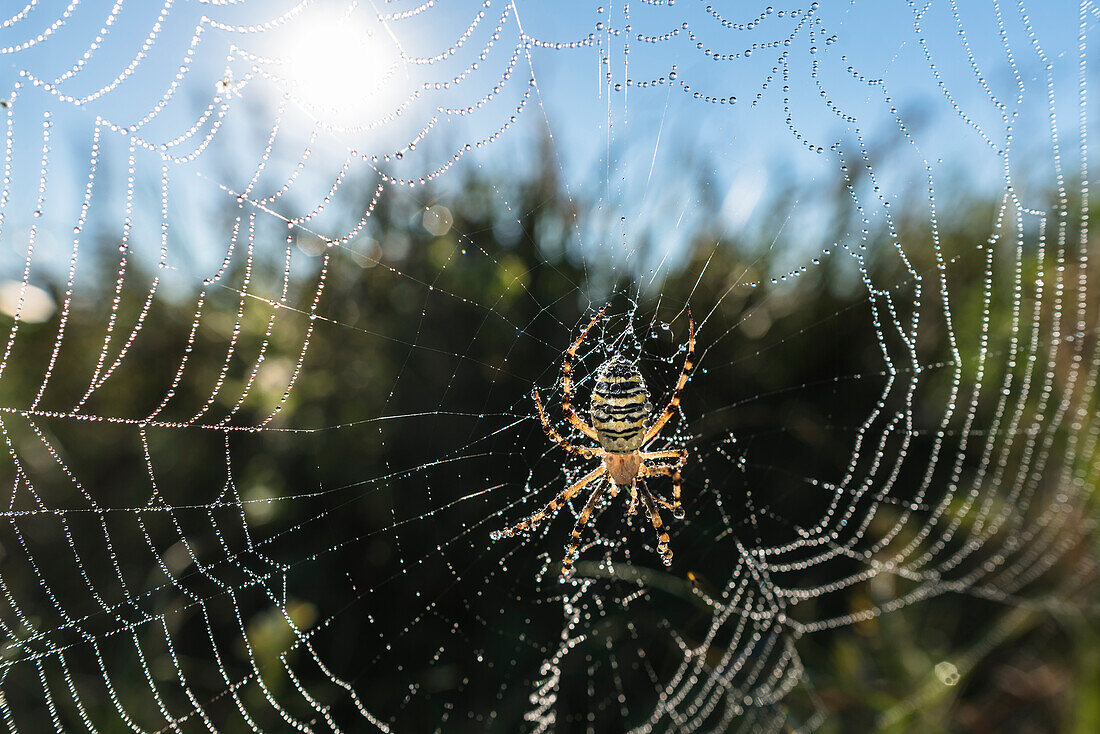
[
  {"x": 685, "y": 375},
  {"x": 567, "y": 381},
  {"x": 556, "y": 437}
]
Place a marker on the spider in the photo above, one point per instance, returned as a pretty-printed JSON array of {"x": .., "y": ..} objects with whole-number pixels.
[{"x": 620, "y": 410}]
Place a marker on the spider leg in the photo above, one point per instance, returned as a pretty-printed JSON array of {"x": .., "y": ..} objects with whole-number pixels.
[
  {"x": 556, "y": 437},
  {"x": 571, "y": 549},
  {"x": 634, "y": 495},
  {"x": 677, "y": 482},
  {"x": 662, "y": 536},
  {"x": 674, "y": 401},
  {"x": 551, "y": 508},
  {"x": 679, "y": 454},
  {"x": 567, "y": 381}
]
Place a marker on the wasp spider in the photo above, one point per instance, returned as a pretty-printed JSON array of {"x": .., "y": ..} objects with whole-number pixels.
[{"x": 620, "y": 412}]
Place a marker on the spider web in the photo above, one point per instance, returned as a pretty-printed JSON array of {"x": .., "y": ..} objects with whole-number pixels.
[{"x": 278, "y": 276}]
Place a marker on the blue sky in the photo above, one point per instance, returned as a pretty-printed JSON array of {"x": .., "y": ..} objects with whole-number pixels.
[{"x": 633, "y": 174}]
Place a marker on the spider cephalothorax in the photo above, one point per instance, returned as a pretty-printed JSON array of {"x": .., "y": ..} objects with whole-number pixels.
[{"x": 620, "y": 410}]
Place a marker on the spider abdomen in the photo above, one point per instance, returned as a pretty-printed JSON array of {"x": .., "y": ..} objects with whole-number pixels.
[{"x": 620, "y": 406}]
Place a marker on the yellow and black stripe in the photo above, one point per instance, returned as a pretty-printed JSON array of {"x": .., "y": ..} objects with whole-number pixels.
[{"x": 620, "y": 406}]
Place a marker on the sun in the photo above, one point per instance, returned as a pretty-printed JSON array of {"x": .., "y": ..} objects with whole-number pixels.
[{"x": 343, "y": 69}]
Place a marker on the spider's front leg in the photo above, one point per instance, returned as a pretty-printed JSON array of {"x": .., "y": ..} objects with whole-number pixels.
[
  {"x": 571, "y": 552},
  {"x": 634, "y": 496},
  {"x": 662, "y": 535},
  {"x": 673, "y": 471},
  {"x": 667, "y": 470},
  {"x": 551, "y": 507}
]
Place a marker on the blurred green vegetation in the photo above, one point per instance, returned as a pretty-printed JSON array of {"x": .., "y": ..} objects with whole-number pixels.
[{"x": 420, "y": 440}]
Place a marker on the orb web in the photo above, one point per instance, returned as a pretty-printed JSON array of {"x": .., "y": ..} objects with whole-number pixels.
[{"x": 280, "y": 277}]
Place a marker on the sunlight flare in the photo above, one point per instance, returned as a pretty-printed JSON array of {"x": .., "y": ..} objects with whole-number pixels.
[{"x": 344, "y": 71}]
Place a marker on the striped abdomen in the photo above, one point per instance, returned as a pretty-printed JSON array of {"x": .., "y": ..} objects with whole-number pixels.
[{"x": 620, "y": 406}]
